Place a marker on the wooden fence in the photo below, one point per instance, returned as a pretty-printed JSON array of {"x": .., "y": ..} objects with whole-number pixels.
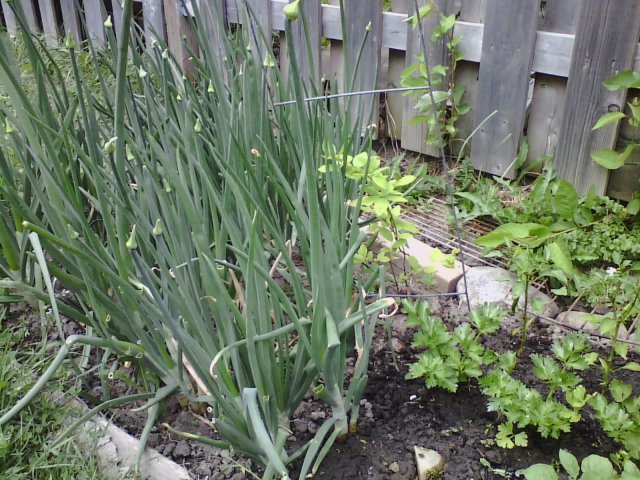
[{"x": 531, "y": 68}]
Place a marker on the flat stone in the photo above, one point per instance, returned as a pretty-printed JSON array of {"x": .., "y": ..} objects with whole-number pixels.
[
  {"x": 394, "y": 467},
  {"x": 444, "y": 277},
  {"x": 429, "y": 462},
  {"x": 494, "y": 285}
]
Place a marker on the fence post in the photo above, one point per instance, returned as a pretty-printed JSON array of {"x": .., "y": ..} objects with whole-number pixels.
[{"x": 605, "y": 44}]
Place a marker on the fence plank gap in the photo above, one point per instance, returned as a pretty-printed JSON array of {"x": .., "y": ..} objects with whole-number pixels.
[
  {"x": 503, "y": 84},
  {"x": 602, "y": 49}
]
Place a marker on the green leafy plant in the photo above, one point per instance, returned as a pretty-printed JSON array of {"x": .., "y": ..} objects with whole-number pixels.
[
  {"x": 522, "y": 405},
  {"x": 448, "y": 95},
  {"x": 620, "y": 418},
  {"x": 618, "y": 291},
  {"x": 454, "y": 357},
  {"x": 609, "y": 158},
  {"x": 593, "y": 467},
  {"x": 385, "y": 191}
]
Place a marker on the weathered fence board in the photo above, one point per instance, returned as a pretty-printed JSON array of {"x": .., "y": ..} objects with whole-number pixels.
[
  {"x": 259, "y": 14},
  {"x": 9, "y": 17},
  {"x": 467, "y": 72},
  {"x": 364, "y": 25},
  {"x": 49, "y": 22},
  {"x": 392, "y": 116},
  {"x": 309, "y": 60},
  {"x": 214, "y": 23},
  {"x": 179, "y": 34},
  {"x": 30, "y": 14},
  {"x": 602, "y": 49},
  {"x": 94, "y": 15},
  {"x": 547, "y": 105},
  {"x": 153, "y": 18},
  {"x": 505, "y": 69},
  {"x": 70, "y": 20}
]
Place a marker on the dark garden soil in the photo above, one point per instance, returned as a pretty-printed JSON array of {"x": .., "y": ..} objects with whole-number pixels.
[{"x": 396, "y": 415}]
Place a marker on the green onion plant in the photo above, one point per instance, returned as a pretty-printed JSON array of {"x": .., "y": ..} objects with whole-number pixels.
[{"x": 188, "y": 216}]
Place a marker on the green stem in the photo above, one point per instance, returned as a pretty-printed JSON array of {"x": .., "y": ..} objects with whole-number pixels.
[
  {"x": 608, "y": 367},
  {"x": 525, "y": 324}
]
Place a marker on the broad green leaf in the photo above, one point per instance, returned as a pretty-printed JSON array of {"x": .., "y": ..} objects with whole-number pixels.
[
  {"x": 633, "y": 207},
  {"x": 631, "y": 471},
  {"x": 562, "y": 291},
  {"x": 405, "y": 180},
  {"x": 608, "y": 119},
  {"x": 569, "y": 463},
  {"x": 565, "y": 200},
  {"x": 621, "y": 349},
  {"x": 521, "y": 439},
  {"x": 610, "y": 159},
  {"x": 624, "y": 80},
  {"x": 539, "y": 471},
  {"x": 439, "y": 70},
  {"x": 523, "y": 153},
  {"x": 633, "y": 366},
  {"x": 511, "y": 231},
  {"x": 447, "y": 23},
  {"x": 595, "y": 467},
  {"x": 418, "y": 120},
  {"x": 561, "y": 257},
  {"x": 620, "y": 391}
]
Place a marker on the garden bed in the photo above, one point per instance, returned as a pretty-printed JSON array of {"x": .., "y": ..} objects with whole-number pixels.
[{"x": 396, "y": 415}]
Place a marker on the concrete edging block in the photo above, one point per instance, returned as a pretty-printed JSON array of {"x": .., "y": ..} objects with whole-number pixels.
[{"x": 117, "y": 451}]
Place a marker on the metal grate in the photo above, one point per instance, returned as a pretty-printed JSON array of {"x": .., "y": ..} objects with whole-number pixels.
[{"x": 436, "y": 227}]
